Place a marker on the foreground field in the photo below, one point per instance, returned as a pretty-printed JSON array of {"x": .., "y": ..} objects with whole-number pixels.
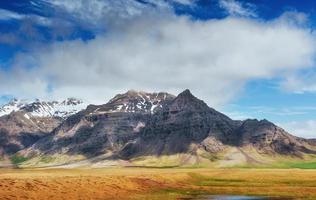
[{"x": 144, "y": 183}]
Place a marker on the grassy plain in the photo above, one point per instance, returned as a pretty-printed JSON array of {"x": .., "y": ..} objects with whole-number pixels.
[{"x": 152, "y": 183}]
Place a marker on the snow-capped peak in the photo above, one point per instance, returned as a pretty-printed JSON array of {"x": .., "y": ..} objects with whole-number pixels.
[
  {"x": 135, "y": 101},
  {"x": 13, "y": 105},
  {"x": 40, "y": 108}
]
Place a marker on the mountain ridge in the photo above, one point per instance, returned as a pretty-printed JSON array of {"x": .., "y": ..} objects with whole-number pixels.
[
  {"x": 139, "y": 128},
  {"x": 40, "y": 108}
]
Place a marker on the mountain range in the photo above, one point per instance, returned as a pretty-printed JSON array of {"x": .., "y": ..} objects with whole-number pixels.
[{"x": 141, "y": 129}]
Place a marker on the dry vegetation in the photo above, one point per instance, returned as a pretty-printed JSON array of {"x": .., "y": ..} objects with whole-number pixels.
[{"x": 144, "y": 183}]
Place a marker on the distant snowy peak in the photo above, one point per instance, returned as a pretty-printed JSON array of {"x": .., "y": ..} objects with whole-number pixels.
[
  {"x": 131, "y": 101},
  {"x": 39, "y": 108},
  {"x": 135, "y": 101},
  {"x": 13, "y": 105}
]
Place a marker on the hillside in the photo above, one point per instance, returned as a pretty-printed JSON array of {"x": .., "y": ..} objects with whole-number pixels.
[{"x": 159, "y": 129}]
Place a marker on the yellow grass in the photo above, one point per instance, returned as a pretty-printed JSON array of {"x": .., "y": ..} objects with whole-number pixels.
[{"x": 145, "y": 183}]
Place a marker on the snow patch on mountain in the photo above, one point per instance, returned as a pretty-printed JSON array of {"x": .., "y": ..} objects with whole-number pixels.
[
  {"x": 13, "y": 105},
  {"x": 138, "y": 101},
  {"x": 39, "y": 108}
]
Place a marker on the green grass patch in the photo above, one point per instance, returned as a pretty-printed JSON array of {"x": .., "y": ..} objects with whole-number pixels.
[
  {"x": 17, "y": 159},
  {"x": 308, "y": 165}
]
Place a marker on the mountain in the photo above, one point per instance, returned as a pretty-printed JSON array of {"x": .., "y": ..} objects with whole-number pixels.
[
  {"x": 187, "y": 127},
  {"x": 101, "y": 129},
  {"x": 268, "y": 138},
  {"x": 136, "y": 101},
  {"x": 19, "y": 130},
  {"x": 159, "y": 129},
  {"x": 186, "y": 121},
  {"x": 39, "y": 108},
  {"x": 22, "y": 123}
]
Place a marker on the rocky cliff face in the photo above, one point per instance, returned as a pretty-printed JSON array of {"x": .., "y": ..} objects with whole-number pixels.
[
  {"x": 105, "y": 128},
  {"x": 22, "y": 123},
  {"x": 138, "y": 124},
  {"x": 184, "y": 121},
  {"x": 271, "y": 139},
  {"x": 19, "y": 130},
  {"x": 188, "y": 122}
]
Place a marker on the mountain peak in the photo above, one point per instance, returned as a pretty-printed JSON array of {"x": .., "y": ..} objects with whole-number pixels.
[
  {"x": 187, "y": 101},
  {"x": 187, "y": 91},
  {"x": 72, "y": 101},
  {"x": 136, "y": 101},
  {"x": 187, "y": 94},
  {"x": 133, "y": 92}
]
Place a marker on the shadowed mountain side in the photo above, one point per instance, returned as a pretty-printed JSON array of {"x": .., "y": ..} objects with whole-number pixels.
[
  {"x": 184, "y": 121},
  {"x": 187, "y": 124},
  {"x": 269, "y": 138},
  {"x": 102, "y": 129},
  {"x": 18, "y": 131},
  {"x": 138, "y": 124},
  {"x": 92, "y": 135}
]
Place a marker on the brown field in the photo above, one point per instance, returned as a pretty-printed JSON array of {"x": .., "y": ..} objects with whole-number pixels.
[{"x": 144, "y": 183}]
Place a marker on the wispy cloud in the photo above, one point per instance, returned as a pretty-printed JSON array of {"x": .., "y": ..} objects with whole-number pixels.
[
  {"x": 99, "y": 14},
  {"x": 306, "y": 129},
  {"x": 36, "y": 19},
  {"x": 236, "y": 8},
  {"x": 239, "y": 115},
  {"x": 8, "y": 15},
  {"x": 300, "y": 83},
  {"x": 186, "y": 2}
]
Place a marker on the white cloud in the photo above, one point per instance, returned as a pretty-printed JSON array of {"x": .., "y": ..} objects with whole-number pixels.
[
  {"x": 300, "y": 83},
  {"x": 294, "y": 18},
  {"x": 305, "y": 129},
  {"x": 101, "y": 13},
  {"x": 185, "y": 2},
  {"x": 236, "y": 8},
  {"x": 238, "y": 115},
  {"x": 213, "y": 58},
  {"x": 7, "y": 15}
]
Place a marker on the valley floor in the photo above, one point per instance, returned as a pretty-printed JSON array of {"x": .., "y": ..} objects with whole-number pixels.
[{"x": 151, "y": 183}]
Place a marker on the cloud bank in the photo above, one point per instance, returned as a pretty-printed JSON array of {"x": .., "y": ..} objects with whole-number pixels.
[
  {"x": 306, "y": 129},
  {"x": 163, "y": 52}
]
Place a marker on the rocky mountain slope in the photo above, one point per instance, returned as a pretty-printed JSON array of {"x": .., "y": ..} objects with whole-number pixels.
[
  {"x": 152, "y": 129},
  {"x": 179, "y": 125},
  {"x": 19, "y": 130},
  {"x": 159, "y": 129},
  {"x": 189, "y": 127},
  {"x": 23, "y": 122},
  {"x": 104, "y": 128}
]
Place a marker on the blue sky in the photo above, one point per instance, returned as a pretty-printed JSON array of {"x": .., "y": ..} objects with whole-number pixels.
[{"x": 249, "y": 59}]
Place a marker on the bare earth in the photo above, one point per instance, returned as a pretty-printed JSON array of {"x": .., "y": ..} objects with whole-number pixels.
[{"x": 145, "y": 183}]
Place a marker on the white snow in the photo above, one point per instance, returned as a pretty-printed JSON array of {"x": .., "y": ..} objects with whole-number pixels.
[
  {"x": 119, "y": 108},
  {"x": 153, "y": 108},
  {"x": 138, "y": 101},
  {"x": 13, "y": 105},
  {"x": 44, "y": 108},
  {"x": 26, "y": 116}
]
